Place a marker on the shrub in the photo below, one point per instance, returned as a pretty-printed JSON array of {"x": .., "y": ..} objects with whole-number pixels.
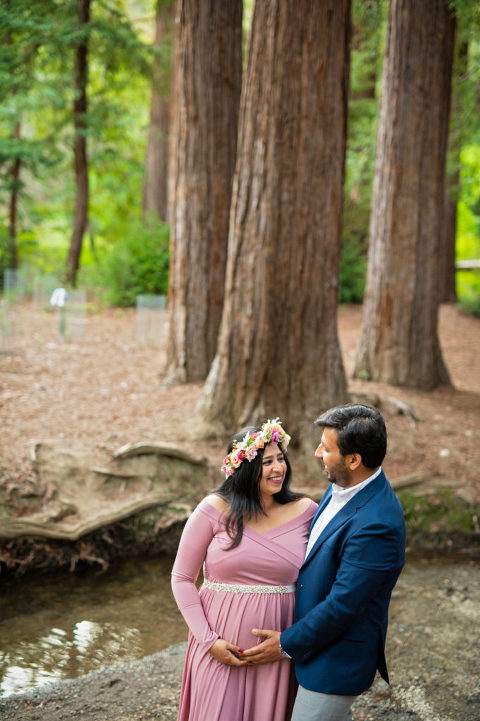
[
  {"x": 353, "y": 268},
  {"x": 468, "y": 287},
  {"x": 136, "y": 264}
]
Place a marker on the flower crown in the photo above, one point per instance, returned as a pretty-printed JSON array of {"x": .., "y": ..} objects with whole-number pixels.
[{"x": 247, "y": 449}]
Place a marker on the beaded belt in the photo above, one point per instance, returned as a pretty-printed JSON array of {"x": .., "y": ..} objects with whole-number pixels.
[{"x": 239, "y": 588}]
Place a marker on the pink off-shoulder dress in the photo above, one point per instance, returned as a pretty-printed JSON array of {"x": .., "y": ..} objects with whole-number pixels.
[{"x": 212, "y": 691}]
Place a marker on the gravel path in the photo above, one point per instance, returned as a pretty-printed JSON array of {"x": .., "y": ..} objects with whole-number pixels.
[{"x": 432, "y": 649}]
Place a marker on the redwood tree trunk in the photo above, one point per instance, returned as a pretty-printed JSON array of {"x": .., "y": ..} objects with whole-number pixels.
[
  {"x": 156, "y": 161},
  {"x": 446, "y": 273},
  {"x": 80, "y": 146},
  {"x": 206, "y": 87},
  {"x": 278, "y": 350},
  {"x": 399, "y": 341}
]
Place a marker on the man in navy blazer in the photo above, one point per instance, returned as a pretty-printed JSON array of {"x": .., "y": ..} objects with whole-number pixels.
[{"x": 355, "y": 554}]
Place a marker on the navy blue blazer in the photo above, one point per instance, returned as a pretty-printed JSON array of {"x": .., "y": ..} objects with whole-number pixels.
[{"x": 337, "y": 639}]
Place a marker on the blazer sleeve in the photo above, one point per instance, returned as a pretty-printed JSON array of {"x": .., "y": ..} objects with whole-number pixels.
[
  {"x": 371, "y": 559},
  {"x": 196, "y": 537}
]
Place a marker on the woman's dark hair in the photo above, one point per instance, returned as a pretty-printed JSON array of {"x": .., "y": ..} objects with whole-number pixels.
[{"x": 241, "y": 490}]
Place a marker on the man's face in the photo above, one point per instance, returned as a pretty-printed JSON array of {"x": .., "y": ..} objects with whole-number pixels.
[{"x": 333, "y": 461}]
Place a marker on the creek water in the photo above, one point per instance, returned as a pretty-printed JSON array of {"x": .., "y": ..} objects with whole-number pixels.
[
  {"x": 59, "y": 628},
  {"x": 64, "y": 627}
]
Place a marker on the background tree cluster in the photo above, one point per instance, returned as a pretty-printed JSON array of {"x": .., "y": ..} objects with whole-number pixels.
[
  {"x": 277, "y": 348},
  {"x": 267, "y": 153},
  {"x": 81, "y": 83}
]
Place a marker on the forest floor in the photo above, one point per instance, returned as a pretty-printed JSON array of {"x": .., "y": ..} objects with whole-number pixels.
[
  {"x": 102, "y": 389},
  {"x": 433, "y": 657}
]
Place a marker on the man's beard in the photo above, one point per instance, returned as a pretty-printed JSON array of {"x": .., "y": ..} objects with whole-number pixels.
[{"x": 339, "y": 474}]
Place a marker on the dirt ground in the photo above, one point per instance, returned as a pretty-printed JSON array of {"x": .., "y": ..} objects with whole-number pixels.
[
  {"x": 102, "y": 389},
  {"x": 433, "y": 657}
]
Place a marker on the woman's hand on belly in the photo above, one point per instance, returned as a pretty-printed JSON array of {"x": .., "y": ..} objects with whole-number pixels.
[{"x": 226, "y": 653}]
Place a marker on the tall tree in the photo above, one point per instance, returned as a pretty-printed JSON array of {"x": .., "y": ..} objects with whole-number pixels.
[
  {"x": 13, "y": 205},
  {"x": 156, "y": 162},
  {"x": 278, "y": 351},
  {"x": 446, "y": 272},
  {"x": 399, "y": 341},
  {"x": 205, "y": 94},
  {"x": 80, "y": 142},
  {"x": 24, "y": 27}
]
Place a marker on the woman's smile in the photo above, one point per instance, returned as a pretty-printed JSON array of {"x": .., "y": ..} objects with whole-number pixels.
[{"x": 274, "y": 470}]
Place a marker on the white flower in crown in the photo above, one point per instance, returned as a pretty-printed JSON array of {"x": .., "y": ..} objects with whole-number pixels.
[{"x": 247, "y": 449}]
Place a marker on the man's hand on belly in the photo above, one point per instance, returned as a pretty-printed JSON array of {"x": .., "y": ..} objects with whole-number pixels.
[{"x": 265, "y": 652}]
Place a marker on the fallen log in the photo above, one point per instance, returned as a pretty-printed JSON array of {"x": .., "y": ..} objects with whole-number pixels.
[{"x": 18, "y": 527}]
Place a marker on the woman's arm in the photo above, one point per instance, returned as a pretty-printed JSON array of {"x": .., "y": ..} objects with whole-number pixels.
[
  {"x": 192, "y": 549},
  {"x": 196, "y": 537}
]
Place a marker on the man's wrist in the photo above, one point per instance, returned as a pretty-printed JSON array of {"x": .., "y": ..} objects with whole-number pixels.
[{"x": 283, "y": 652}]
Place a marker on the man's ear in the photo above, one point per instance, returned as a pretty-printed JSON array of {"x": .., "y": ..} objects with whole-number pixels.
[{"x": 355, "y": 461}]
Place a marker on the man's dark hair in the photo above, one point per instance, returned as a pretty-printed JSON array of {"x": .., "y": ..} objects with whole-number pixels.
[{"x": 361, "y": 429}]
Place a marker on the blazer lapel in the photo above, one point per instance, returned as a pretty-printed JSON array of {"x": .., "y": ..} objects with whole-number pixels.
[{"x": 348, "y": 510}]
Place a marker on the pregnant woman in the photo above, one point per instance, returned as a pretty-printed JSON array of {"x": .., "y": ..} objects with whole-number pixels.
[{"x": 250, "y": 537}]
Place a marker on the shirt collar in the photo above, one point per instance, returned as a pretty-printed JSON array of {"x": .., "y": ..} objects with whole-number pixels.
[{"x": 340, "y": 492}]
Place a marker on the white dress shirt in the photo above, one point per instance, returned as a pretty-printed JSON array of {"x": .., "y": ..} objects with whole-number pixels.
[{"x": 339, "y": 498}]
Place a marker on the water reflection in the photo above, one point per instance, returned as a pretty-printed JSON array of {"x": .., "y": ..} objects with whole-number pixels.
[{"x": 66, "y": 627}]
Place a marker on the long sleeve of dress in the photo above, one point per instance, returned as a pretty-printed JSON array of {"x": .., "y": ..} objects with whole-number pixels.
[{"x": 196, "y": 537}]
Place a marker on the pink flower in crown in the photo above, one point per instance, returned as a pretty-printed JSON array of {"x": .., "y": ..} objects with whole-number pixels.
[
  {"x": 241, "y": 455},
  {"x": 275, "y": 436},
  {"x": 251, "y": 453},
  {"x": 260, "y": 442},
  {"x": 235, "y": 460}
]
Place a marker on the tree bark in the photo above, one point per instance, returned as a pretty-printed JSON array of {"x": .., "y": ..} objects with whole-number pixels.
[
  {"x": 80, "y": 146},
  {"x": 205, "y": 94},
  {"x": 446, "y": 274},
  {"x": 399, "y": 341},
  {"x": 156, "y": 161},
  {"x": 278, "y": 352}
]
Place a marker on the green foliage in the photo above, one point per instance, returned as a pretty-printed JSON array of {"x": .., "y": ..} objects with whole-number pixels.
[
  {"x": 4, "y": 252},
  {"x": 368, "y": 21},
  {"x": 136, "y": 264},
  {"x": 468, "y": 285},
  {"x": 37, "y": 41},
  {"x": 353, "y": 268},
  {"x": 24, "y": 28},
  {"x": 468, "y": 229},
  {"x": 43, "y": 253},
  {"x": 438, "y": 512},
  {"x": 467, "y": 11}
]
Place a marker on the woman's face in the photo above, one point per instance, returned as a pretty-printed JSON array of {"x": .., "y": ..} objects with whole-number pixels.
[{"x": 274, "y": 469}]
